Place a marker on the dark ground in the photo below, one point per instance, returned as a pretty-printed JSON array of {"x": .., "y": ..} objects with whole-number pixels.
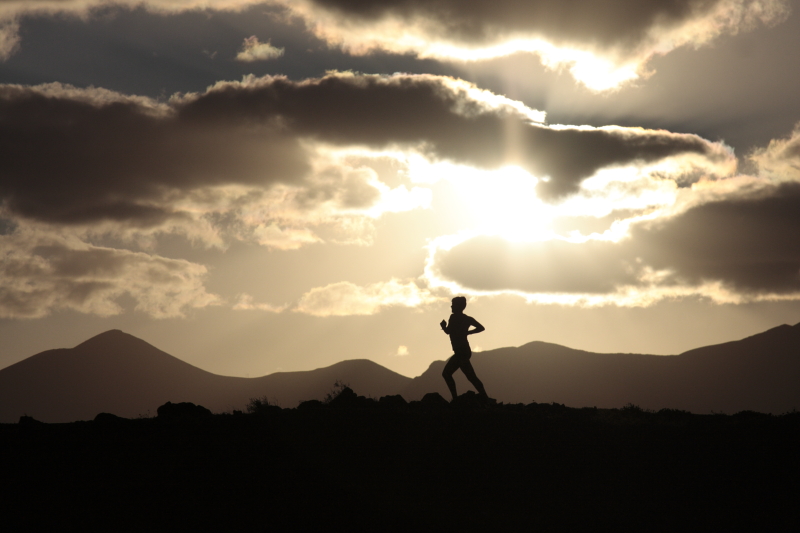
[{"x": 367, "y": 465}]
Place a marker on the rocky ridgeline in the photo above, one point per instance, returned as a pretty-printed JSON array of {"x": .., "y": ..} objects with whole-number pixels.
[{"x": 348, "y": 399}]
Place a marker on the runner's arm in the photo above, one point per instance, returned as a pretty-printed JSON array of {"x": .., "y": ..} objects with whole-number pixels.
[{"x": 478, "y": 327}]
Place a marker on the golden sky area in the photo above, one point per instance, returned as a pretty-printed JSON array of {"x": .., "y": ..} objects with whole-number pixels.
[{"x": 265, "y": 186}]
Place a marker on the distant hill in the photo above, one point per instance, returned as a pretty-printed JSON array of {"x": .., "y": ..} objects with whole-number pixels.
[
  {"x": 759, "y": 373},
  {"x": 118, "y": 373}
]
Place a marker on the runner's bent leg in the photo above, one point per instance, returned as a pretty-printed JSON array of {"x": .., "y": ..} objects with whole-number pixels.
[{"x": 466, "y": 368}]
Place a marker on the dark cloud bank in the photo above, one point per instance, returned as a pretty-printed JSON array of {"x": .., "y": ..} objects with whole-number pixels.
[{"x": 609, "y": 23}]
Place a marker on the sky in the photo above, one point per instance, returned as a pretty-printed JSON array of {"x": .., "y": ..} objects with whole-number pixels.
[{"x": 272, "y": 186}]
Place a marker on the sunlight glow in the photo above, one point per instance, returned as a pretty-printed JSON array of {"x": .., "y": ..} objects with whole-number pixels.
[
  {"x": 595, "y": 72},
  {"x": 398, "y": 199},
  {"x": 619, "y": 188},
  {"x": 504, "y": 202},
  {"x": 497, "y": 202}
]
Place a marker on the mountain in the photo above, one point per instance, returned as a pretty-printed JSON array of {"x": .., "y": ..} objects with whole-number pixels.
[
  {"x": 118, "y": 373},
  {"x": 759, "y": 373}
]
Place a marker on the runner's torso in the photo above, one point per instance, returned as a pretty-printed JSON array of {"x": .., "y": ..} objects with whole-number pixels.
[{"x": 458, "y": 326}]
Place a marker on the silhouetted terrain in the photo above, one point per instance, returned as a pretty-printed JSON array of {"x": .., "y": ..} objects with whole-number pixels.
[
  {"x": 759, "y": 373},
  {"x": 357, "y": 464},
  {"x": 118, "y": 373}
]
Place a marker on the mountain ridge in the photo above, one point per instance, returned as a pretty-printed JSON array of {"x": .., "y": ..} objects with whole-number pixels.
[
  {"x": 778, "y": 333},
  {"x": 727, "y": 377},
  {"x": 119, "y": 373}
]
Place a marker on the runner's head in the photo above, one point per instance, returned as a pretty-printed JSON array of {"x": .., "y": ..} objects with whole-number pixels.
[{"x": 459, "y": 303}]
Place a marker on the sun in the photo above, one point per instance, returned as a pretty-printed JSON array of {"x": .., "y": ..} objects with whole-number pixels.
[
  {"x": 504, "y": 202},
  {"x": 499, "y": 202}
]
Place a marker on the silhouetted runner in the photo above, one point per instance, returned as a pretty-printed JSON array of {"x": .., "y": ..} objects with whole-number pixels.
[{"x": 458, "y": 329}]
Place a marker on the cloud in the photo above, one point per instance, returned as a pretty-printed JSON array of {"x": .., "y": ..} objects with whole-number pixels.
[
  {"x": 732, "y": 246},
  {"x": 92, "y": 157},
  {"x": 9, "y": 38},
  {"x": 253, "y": 50},
  {"x": 245, "y": 303},
  {"x": 13, "y": 11},
  {"x": 748, "y": 243},
  {"x": 603, "y": 44},
  {"x": 348, "y": 299},
  {"x": 780, "y": 160},
  {"x": 493, "y": 264},
  {"x": 41, "y": 273},
  {"x": 730, "y": 240},
  {"x": 345, "y": 298},
  {"x": 267, "y": 160},
  {"x": 238, "y": 151},
  {"x": 452, "y": 120},
  {"x": 73, "y": 156}
]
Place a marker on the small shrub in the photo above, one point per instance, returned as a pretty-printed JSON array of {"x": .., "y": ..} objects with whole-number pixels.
[
  {"x": 632, "y": 408},
  {"x": 260, "y": 405},
  {"x": 338, "y": 387}
]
